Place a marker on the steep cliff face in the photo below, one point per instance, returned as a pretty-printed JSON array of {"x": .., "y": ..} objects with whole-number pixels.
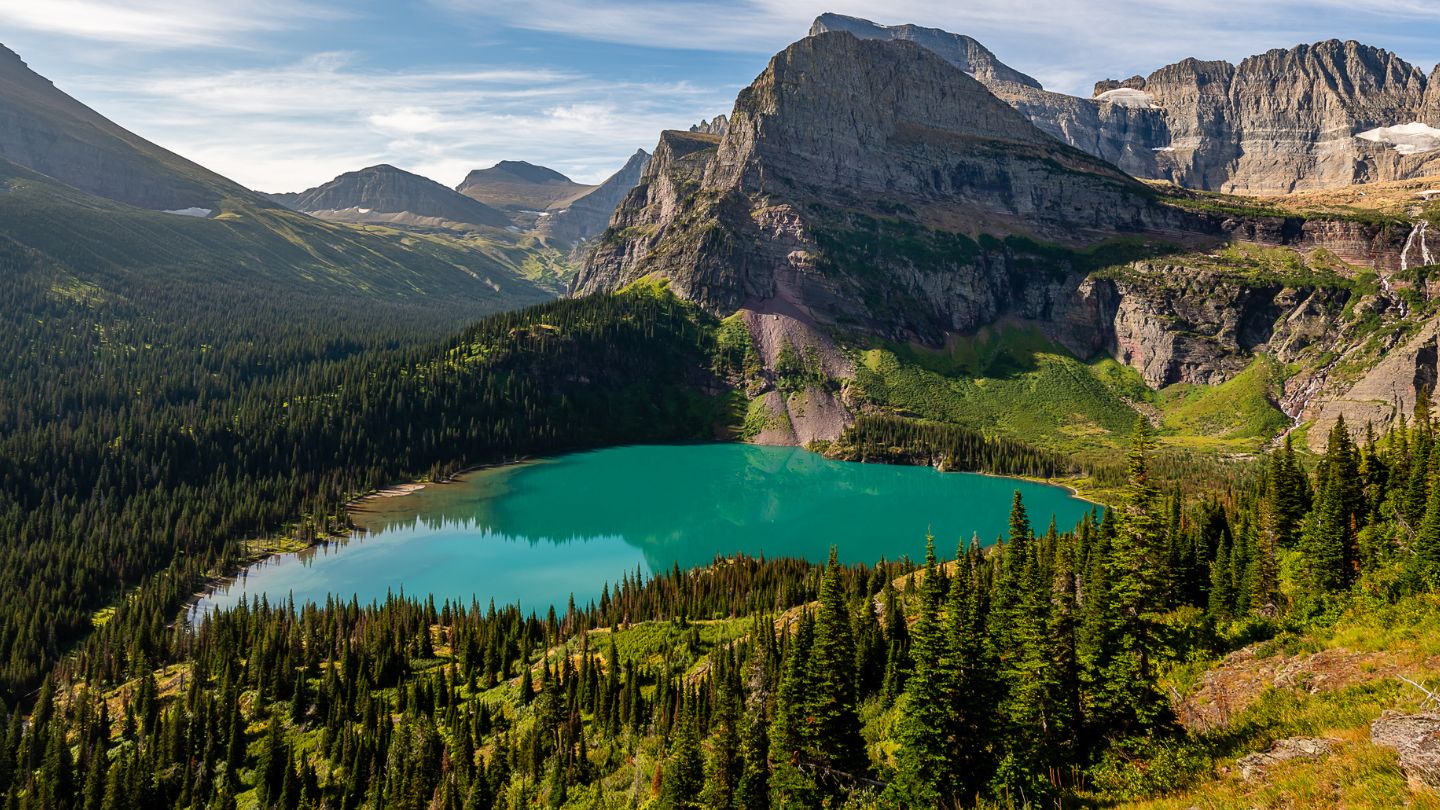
[
  {"x": 1184, "y": 323},
  {"x": 1285, "y": 120},
  {"x": 866, "y": 182},
  {"x": 1312, "y": 116},
  {"x": 589, "y": 215},
  {"x": 1114, "y": 127}
]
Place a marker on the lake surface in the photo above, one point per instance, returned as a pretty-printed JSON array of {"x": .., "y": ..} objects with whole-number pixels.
[{"x": 536, "y": 532}]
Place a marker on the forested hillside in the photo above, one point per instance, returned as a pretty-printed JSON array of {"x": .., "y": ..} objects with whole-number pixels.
[
  {"x": 1036, "y": 671},
  {"x": 158, "y": 431}
]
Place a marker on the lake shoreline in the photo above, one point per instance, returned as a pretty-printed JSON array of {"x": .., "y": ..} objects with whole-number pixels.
[
  {"x": 367, "y": 504},
  {"x": 239, "y": 569}
]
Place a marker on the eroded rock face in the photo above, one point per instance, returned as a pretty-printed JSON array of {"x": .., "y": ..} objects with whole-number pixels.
[
  {"x": 1382, "y": 393},
  {"x": 1174, "y": 323},
  {"x": 1281, "y": 121},
  {"x": 1287, "y": 119},
  {"x": 841, "y": 141}
]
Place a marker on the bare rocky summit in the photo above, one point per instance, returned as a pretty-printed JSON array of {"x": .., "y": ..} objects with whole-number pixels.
[
  {"x": 959, "y": 50},
  {"x": 1312, "y": 116}
]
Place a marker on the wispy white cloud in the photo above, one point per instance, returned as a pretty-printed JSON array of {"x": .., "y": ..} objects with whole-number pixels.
[
  {"x": 161, "y": 24},
  {"x": 1056, "y": 40},
  {"x": 293, "y": 126},
  {"x": 277, "y": 119}
]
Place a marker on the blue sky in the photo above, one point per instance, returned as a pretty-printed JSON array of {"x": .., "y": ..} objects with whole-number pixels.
[{"x": 284, "y": 94}]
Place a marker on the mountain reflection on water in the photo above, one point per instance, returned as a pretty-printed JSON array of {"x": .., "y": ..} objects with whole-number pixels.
[{"x": 538, "y": 531}]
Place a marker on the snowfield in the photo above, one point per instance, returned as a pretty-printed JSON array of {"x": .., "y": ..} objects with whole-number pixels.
[
  {"x": 191, "y": 212},
  {"x": 1128, "y": 97},
  {"x": 1408, "y": 139}
]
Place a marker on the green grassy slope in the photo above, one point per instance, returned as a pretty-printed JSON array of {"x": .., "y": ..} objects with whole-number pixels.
[{"x": 251, "y": 244}]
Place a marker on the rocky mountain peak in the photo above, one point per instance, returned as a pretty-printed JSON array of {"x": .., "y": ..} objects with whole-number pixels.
[
  {"x": 518, "y": 186},
  {"x": 957, "y": 49},
  {"x": 519, "y": 170},
  {"x": 388, "y": 194},
  {"x": 885, "y": 119},
  {"x": 840, "y": 134},
  {"x": 718, "y": 125}
]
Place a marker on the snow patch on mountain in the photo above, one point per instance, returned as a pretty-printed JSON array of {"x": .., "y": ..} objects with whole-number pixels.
[
  {"x": 1129, "y": 97},
  {"x": 1408, "y": 139}
]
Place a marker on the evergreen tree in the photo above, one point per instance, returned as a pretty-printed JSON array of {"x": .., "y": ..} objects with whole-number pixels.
[
  {"x": 1124, "y": 696},
  {"x": 925, "y": 729},
  {"x": 835, "y": 745},
  {"x": 753, "y": 789},
  {"x": 684, "y": 776},
  {"x": 791, "y": 733}
]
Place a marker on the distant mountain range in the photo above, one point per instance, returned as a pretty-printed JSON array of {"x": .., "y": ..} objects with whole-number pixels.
[
  {"x": 386, "y": 194},
  {"x": 511, "y": 195}
]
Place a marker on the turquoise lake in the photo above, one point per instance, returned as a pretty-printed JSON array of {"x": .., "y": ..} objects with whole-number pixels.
[{"x": 538, "y": 531}]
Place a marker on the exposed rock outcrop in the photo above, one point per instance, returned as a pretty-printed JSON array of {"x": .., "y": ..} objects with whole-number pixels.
[
  {"x": 717, "y": 126},
  {"x": 1175, "y": 323},
  {"x": 1382, "y": 392},
  {"x": 1416, "y": 738},
  {"x": 386, "y": 194},
  {"x": 1253, "y": 766}
]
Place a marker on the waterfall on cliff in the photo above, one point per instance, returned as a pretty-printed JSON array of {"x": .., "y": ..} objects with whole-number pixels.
[{"x": 1417, "y": 233}]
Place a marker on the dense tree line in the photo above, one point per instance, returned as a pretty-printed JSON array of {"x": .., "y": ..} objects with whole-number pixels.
[
  {"x": 1012, "y": 673},
  {"x": 892, "y": 439}
]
